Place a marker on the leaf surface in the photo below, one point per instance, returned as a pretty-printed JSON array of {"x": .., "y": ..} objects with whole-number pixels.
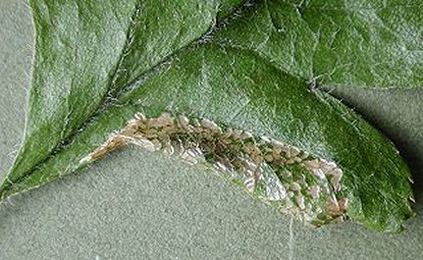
[
  {"x": 87, "y": 51},
  {"x": 98, "y": 64},
  {"x": 372, "y": 44}
]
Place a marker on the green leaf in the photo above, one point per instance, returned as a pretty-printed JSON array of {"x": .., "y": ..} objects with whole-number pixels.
[
  {"x": 97, "y": 64},
  {"x": 373, "y": 44},
  {"x": 87, "y": 51}
]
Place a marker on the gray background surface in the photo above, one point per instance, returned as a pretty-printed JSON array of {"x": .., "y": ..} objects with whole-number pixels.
[{"x": 138, "y": 205}]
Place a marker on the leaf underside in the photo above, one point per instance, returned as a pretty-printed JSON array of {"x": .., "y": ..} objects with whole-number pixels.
[{"x": 97, "y": 63}]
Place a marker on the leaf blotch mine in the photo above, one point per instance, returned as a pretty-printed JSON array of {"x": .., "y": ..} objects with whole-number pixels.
[{"x": 292, "y": 180}]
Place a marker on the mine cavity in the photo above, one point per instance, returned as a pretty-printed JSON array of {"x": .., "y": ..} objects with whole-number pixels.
[{"x": 293, "y": 180}]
